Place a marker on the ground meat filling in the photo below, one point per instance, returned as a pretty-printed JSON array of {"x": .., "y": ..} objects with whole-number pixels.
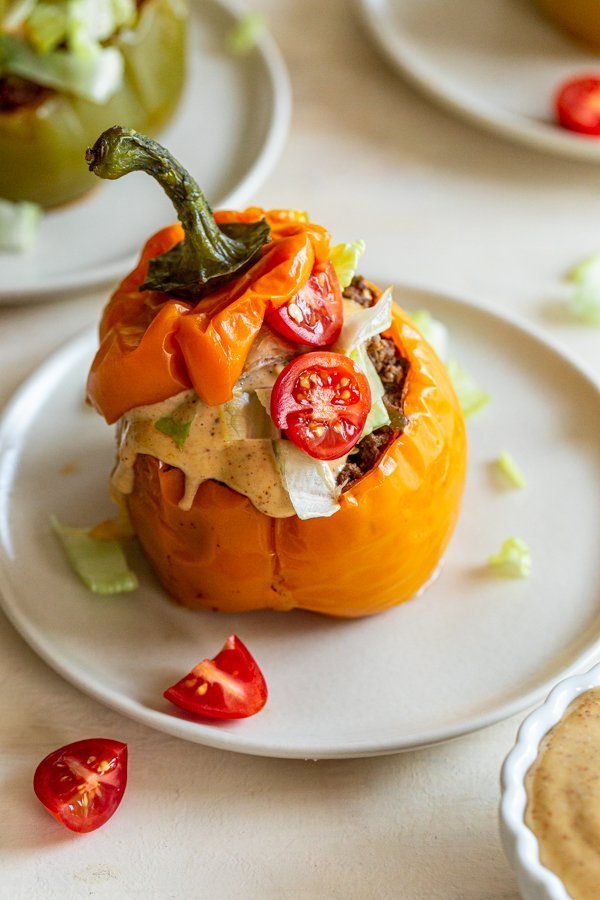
[
  {"x": 392, "y": 368},
  {"x": 16, "y": 93}
]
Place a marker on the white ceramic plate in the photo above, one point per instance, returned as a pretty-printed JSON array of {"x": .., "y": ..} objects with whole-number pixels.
[
  {"x": 473, "y": 649},
  {"x": 229, "y": 131},
  {"x": 497, "y": 63}
]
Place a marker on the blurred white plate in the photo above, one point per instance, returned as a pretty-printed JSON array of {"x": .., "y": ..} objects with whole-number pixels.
[
  {"x": 473, "y": 649},
  {"x": 229, "y": 132},
  {"x": 497, "y": 63}
]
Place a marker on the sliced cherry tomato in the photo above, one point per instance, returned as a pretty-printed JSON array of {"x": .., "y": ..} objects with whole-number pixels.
[
  {"x": 321, "y": 401},
  {"x": 577, "y": 105},
  {"x": 314, "y": 316},
  {"x": 230, "y": 686},
  {"x": 82, "y": 783}
]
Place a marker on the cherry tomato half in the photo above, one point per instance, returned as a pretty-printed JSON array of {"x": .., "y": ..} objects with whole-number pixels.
[
  {"x": 577, "y": 105},
  {"x": 315, "y": 315},
  {"x": 83, "y": 783},
  {"x": 230, "y": 686},
  {"x": 321, "y": 401}
]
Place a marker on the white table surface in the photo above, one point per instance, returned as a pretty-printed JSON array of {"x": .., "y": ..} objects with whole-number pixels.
[{"x": 439, "y": 204}]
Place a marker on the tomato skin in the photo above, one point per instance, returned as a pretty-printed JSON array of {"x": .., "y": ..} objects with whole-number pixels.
[
  {"x": 82, "y": 784},
  {"x": 577, "y": 105},
  {"x": 314, "y": 316},
  {"x": 230, "y": 686},
  {"x": 321, "y": 401}
]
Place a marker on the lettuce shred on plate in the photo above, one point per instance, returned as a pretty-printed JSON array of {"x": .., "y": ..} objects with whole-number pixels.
[
  {"x": 245, "y": 35},
  {"x": 511, "y": 470},
  {"x": 18, "y": 224},
  {"x": 513, "y": 560},
  {"x": 101, "y": 565},
  {"x": 584, "y": 303}
]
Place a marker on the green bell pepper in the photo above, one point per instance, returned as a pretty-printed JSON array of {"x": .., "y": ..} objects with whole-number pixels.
[{"x": 43, "y": 142}]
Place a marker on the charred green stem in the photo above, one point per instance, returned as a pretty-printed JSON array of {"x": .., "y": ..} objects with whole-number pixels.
[{"x": 210, "y": 254}]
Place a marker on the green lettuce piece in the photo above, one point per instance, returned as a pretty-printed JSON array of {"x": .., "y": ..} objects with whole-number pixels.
[
  {"x": 244, "y": 36},
  {"x": 177, "y": 431},
  {"x": 18, "y": 224},
  {"x": 513, "y": 560},
  {"x": 101, "y": 565},
  {"x": 434, "y": 331},
  {"x": 364, "y": 322},
  {"x": 584, "y": 303},
  {"x": 378, "y": 414},
  {"x": 245, "y": 417},
  {"x": 344, "y": 258},
  {"x": 509, "y": 467},
  {"x": 309, "y": 482},
  {"x": 94, "y": 75},
  {"x": 47, "y": 26},
  {"x": 14, "y": 14},
  {"x": 472, "y": 398}
]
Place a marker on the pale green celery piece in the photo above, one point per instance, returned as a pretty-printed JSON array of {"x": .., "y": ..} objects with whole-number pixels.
[
  {"x": 434, "y": 331},
  {"x": 378, "y": 414},
  {"x": 309, "y": 482},
  {"x": 513, "y": 559},
  {"x": 101, "y": 565},
  {"x": 472, "y": 398},
  {"x": 509, "y": 467},
  {"x": 344, "y": 258},
  {"x": 47, "y": 25},
  {"x": 363, "y": 322},
  {"x": 95, "y": 75},
  {"x": 18, "y": 225},
  {"x": 244, "y": 36},
  {"x": 584, "y": 303},
  {"x": 177, "y": 431}
]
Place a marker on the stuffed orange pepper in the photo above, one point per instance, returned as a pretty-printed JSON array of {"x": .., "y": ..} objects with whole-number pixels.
[{"x": 285, "y": 435}]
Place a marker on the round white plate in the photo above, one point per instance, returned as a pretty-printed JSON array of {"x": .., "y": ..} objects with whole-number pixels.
[
  {"x": 498, "y": 63},
  {"x": 229, "y": 131},
  {"x": 473, "y": 649}
]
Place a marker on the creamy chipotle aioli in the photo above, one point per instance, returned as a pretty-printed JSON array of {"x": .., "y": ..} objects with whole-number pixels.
[
  {"x": 563, "y": 791},
  {"x": 248, "y": 466}
]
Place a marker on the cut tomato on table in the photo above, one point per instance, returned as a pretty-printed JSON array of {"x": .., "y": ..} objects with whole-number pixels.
[
  {"x": 321, "y": 401},
  {"x": 82, "y": 784},
  {"x": 314, "y": 315},
  {"x": 230, "y": 686},
  {"x": 577, "y": 105}
]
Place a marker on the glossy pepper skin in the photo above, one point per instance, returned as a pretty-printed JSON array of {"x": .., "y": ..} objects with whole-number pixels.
[
  {"x": 382, "y": 546},
  {"x": 42, "y": 146}
]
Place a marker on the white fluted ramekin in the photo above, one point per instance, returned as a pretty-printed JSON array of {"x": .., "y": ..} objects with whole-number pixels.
[{"x": 536, "y": 882}]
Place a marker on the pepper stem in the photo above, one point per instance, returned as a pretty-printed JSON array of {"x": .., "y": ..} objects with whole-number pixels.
[{"x": 210, "y": 254}]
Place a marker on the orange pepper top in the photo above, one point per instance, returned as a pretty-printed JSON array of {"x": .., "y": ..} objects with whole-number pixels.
[{"x": 153, "y": 346}]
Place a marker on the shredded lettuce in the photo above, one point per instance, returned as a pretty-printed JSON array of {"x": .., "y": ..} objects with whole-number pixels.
[
  {"x": 434, "y": 331},
  {"x": 513, "y": 559},
  {"x": 584, "y": 304},
  {"x": 378, "y": 415},
  {"x": 18, "y": 224},
  {"x": 309, "y": 482},
  {"x": 244, "y": 36},
  {"x": 47, "y": 26},
  {"x": 101, "y": 565},
  {"x": 173, "y": 428},
  {"x": 246, "y": 417},
  {"x": 511, "y": 470},
  {"x": 472, "y": 398},
  {"x": 15, "y": 14},
  {"x": 344, "y": 258},
  {"x": 95, "y": 75},
  {"x": 363, "y": 322}
]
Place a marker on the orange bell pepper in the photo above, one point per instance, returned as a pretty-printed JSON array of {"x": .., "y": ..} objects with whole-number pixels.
[
  {"x": 378, "y": 550},
  {"x": 203, "y": 345}
]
